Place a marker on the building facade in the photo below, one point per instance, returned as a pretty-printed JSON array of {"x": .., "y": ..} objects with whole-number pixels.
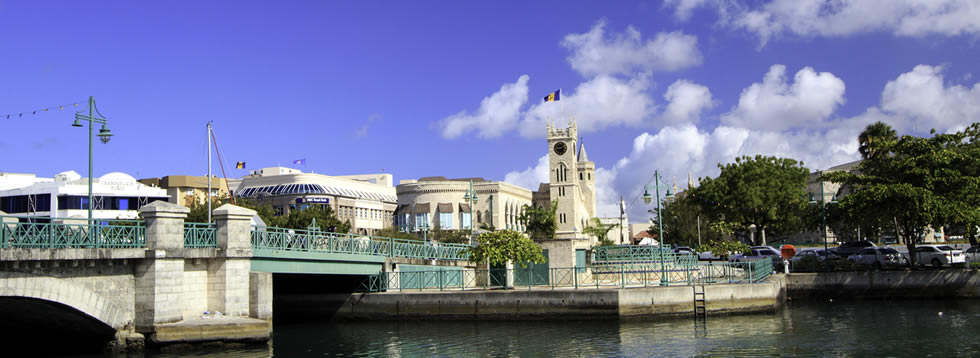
[
  {"x": 115, "y": 196},
  {"x": 432, "y": 202},
  {"x": 367, "y": 201},
  {"x": 186, "y": 190}
]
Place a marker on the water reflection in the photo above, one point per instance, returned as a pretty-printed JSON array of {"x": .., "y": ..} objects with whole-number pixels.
[{"x": 839, "y": 329}]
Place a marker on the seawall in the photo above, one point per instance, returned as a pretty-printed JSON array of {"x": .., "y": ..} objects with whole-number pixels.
[
  {"x": 925, "y": 283},
  {"x": 562, "y": 303}
]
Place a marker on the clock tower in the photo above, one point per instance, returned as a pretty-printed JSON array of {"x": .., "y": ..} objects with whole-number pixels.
[{"x": 563, "y": 178}]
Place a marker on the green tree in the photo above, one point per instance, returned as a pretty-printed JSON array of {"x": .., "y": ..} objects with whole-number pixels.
[
  {"x": 450, "y": 236},
  {"x": 873, "y": 137},
  {"x": 723, "y": 248},
  {"x": 767, "y": 192},
  {"x": 600, "y": 231},
  {"x": 918, "y": 182},
  {"x": 682, "y": 216},
  {"x": 539, "y": 223},
  {"x": 395, "y": 233},
  {"x": 499, "y": 247}
]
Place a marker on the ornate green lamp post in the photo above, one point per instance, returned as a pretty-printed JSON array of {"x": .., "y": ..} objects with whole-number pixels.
[
  {"x": 104, "y": 136},
  {"x": 660, "y": 222},
  {"x": 471, "y": 197}
]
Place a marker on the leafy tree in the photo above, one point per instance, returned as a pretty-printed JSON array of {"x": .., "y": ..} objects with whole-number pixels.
[
  {"x": 767, "y": 192},
  {"x": 722, "y": 248},
  {"x": 450, "y": 236},
  {"x": 681, "y": 218},
  {"x": 539, "y": 223},
  {"x": 499, "y": 247},
  {"x": 600, "y": 231},
  {"x": 199, "y": 211},
  {"x": 395, "y": 233},
  {"x": 918, "y": 182},
  {"x": 873, "y": 137}
]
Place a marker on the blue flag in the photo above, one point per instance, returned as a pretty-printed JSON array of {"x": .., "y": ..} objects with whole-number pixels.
[{"x": 300, "y": 161}]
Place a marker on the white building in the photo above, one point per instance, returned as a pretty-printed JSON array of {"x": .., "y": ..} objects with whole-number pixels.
[
  {"x": 367, "y": 201},
  {"x": 432, "y": 202},
  {"x": 115, "y": 195}
]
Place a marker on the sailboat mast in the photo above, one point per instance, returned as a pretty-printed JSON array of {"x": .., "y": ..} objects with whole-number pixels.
[{"x": 209, "y": 172}]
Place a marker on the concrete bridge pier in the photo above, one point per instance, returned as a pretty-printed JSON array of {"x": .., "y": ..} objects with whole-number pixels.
[{"x": 175, "y": 285}]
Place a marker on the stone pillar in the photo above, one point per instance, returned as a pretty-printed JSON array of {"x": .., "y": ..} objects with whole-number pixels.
[
  {"x": 159, "y": 277},
  {"x": 228, "y": 273},
  {"x": 260, "y": 295}
]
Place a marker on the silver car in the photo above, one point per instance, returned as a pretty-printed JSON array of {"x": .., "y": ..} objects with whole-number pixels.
[{"x": 879, "y": 258}]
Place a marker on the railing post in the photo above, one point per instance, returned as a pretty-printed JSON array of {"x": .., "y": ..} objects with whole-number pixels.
[
  {"x": 622, "y": 275},
  {"x": 575, "y": 275}
]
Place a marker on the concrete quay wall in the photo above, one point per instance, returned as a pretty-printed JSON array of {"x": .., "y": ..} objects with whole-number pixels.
[
  {"x": 925, "y": 283},
  {"x": 562, "y": 303}
]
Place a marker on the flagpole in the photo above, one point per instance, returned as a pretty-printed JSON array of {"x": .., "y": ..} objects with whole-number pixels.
[{"x": 209, "y": 172}]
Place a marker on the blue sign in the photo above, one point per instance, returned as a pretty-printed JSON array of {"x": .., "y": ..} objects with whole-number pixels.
[{"x": 313, "y": 200}]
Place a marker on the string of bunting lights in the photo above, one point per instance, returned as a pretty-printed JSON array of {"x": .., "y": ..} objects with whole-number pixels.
[{"x": 35, "y": 112}]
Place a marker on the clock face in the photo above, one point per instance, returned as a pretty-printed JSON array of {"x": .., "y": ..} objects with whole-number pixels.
[{"x": 560, "y": 148}]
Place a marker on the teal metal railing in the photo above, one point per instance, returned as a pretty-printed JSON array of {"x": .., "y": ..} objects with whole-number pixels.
[
  {"x": 200, "y": 235},
  {"x": 630, "y": 253},
  {"x": 297, "y": 240},
  {"x": 625, "y": 276},
  {"x": 38, "y": 232}
]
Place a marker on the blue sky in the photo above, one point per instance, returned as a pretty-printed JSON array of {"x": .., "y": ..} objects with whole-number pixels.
[{"x": 454, "y": 88}]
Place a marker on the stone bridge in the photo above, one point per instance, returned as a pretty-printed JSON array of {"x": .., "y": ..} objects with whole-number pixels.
[{"x": 156, "y": 278}]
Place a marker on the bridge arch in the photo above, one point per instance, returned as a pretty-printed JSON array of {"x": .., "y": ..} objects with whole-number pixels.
[{"x": 62, "y": 291}]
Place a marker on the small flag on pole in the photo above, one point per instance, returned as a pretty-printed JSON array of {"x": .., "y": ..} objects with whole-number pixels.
[
  {"x": 240, "y": 165},
  {"x": 300, "y": 161},
  {"x": 553, "y": 96}
]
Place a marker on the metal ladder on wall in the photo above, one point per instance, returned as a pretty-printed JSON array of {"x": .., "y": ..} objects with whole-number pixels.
[{"x": 700, "y": 308}]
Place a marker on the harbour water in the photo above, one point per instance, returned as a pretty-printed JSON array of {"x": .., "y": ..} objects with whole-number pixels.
[{"x": 940, "y": 328}]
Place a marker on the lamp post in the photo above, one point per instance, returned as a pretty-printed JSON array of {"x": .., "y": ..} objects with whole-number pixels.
[
  {"x": 660, "y": 221},
  {"x": 471, "y": 197},
  {"x": 823, "y": 216},
  {"x": 104, "y": 136}
]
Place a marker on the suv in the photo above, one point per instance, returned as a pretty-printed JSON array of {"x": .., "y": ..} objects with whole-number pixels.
[{"x": 852, "y": 247}]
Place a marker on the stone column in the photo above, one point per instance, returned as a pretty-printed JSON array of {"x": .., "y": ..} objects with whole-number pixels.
[
  {"x": 228, "y": 273},
  {"x": 160, "y": 275}
]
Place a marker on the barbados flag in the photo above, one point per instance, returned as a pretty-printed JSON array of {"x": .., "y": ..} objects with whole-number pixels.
[
  {"x": 240, "y": 165},
  {"x": 553, "y": 96}
]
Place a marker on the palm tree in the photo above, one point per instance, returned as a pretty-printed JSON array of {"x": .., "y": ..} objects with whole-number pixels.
[{"x": 873, "y": 136}]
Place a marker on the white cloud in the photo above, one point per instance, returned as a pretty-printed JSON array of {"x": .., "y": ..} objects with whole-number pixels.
[
  {"x": 593, "y": 53},
  {"x": 531, "y": 177},
  {"x": 686, "y": 100},
  {"x": 599, "y": 103},
  {"x": 829, "y": 18},
  {"x": 683, "y": 8},
  {"x": 920, "y": 99},
  {"x": 776, "y": 105},
  {"x": 920, "y": 95},
  {"x": 497, "y": 114}
]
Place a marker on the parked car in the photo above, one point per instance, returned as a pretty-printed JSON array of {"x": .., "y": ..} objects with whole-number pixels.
[
  {"x": 849, "y": 248},
  {"x": 818, "y": 254},
  {"x": 939, "y": 256},
  {"x": 760, "y": 252},
  {"x": 685, "y": 250},
  {"x": 879, "y": 258},
  {"x": 973, "y": 254}
]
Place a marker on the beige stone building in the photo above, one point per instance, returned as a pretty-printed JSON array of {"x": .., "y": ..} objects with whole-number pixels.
[
  {"x": 432, "y": 202},
  {"x": 367, "y": 201},
  {"x": 186, "y": 189}
]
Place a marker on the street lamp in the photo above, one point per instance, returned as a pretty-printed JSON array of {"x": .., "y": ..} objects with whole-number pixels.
[
  {"x": 104, "y": 136},
  {"x": 471, "y": 197},
  {"x": 823, "y": 214},
  {"x": 660, "y": 222}
]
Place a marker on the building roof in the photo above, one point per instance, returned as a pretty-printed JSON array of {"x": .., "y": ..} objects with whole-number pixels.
[{"x": 582, "y": 157}]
